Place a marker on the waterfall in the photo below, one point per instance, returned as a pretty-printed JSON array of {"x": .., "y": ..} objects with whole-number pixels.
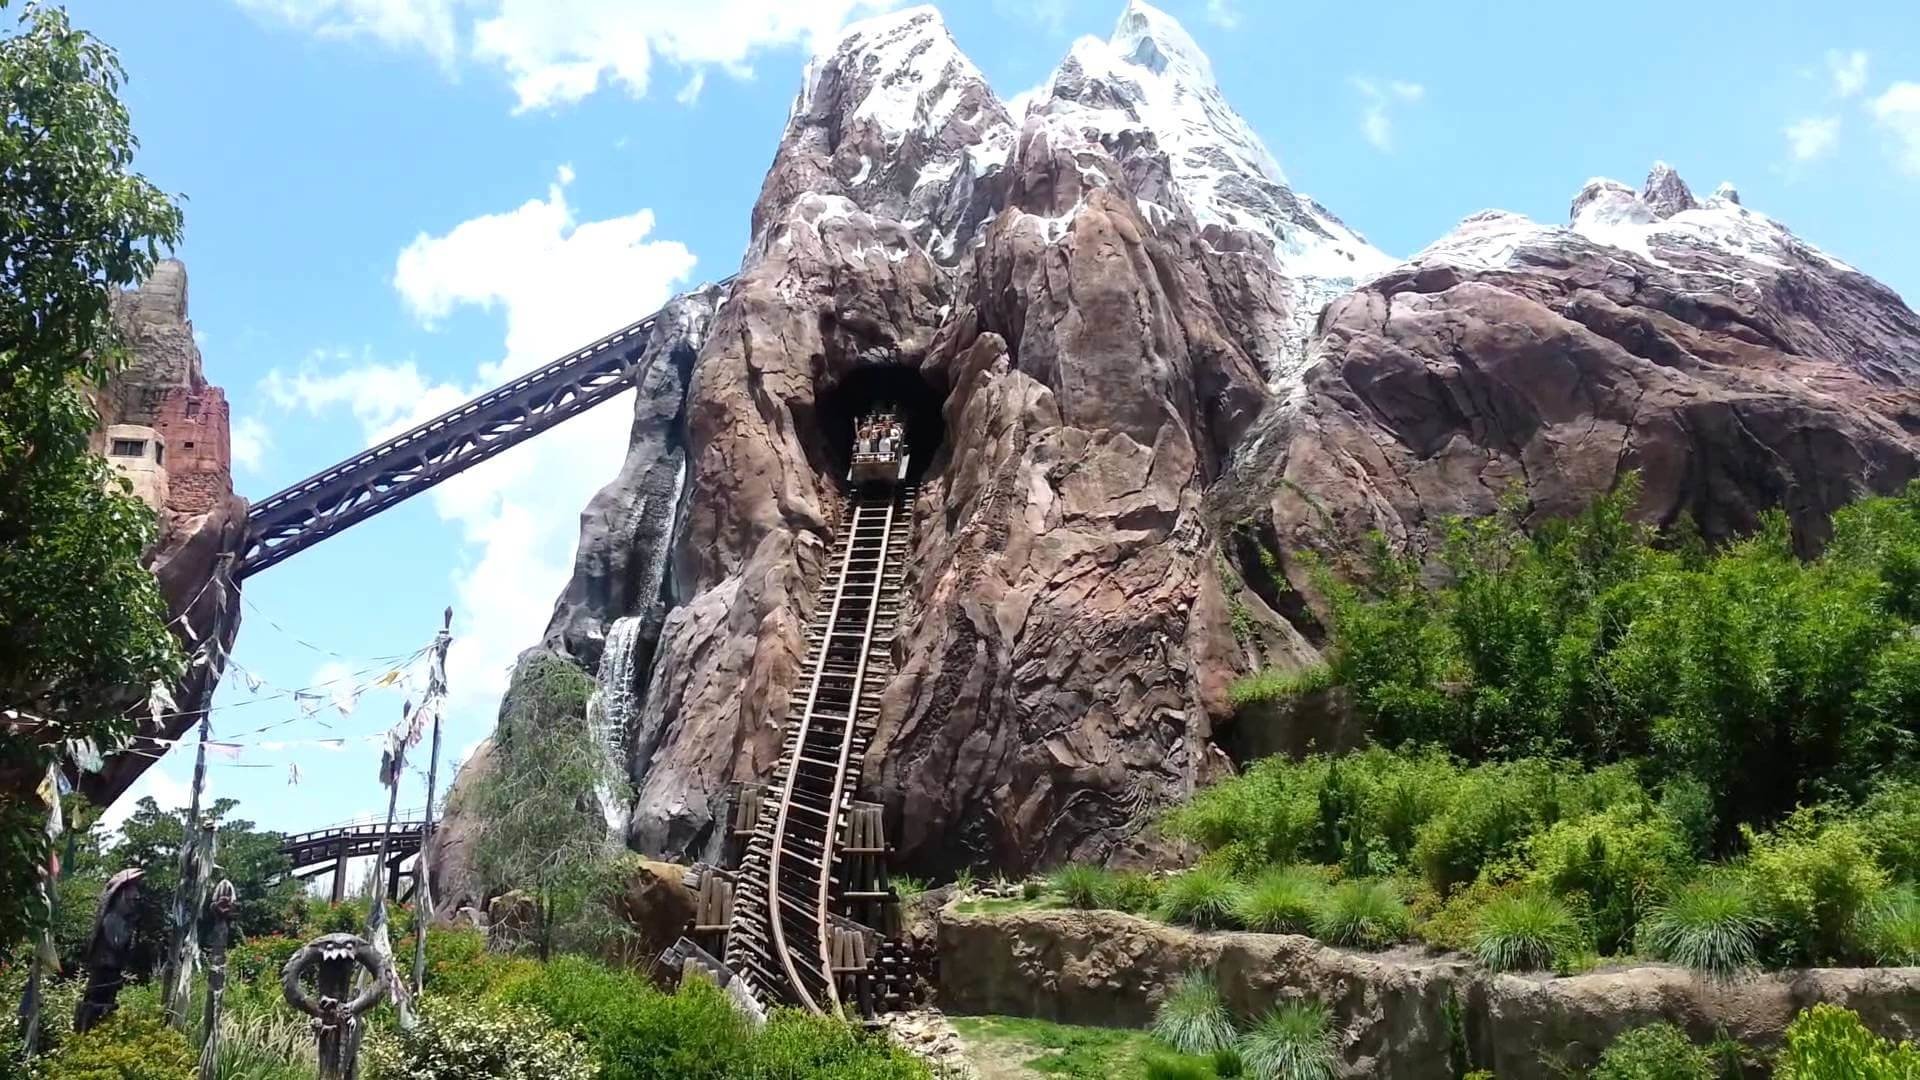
[{"x": 610, "y": 712}]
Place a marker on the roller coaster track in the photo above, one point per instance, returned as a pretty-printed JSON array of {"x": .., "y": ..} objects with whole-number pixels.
[
  {"x": 287, "y": 523},
  {"x": 792, "y": 899}
]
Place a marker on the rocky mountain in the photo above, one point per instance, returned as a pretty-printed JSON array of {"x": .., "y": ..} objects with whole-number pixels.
[{"x": 1145, "y": 359}]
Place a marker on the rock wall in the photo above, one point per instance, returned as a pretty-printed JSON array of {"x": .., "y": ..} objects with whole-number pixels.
[
  {"x": 203, "y": 525},
  {"x": 1401, "y": 1015}
]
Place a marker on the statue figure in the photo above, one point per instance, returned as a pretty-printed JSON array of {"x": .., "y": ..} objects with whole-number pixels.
[
  {"x": 214, "y": 923},
  {"x": 108, "y": 949},
  {"x": 332, "y": 958}
]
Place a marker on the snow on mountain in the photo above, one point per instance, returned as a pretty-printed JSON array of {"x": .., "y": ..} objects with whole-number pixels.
[
  {"x": 1661, "y": 224},
  {"x": 1148, "y": 90}
]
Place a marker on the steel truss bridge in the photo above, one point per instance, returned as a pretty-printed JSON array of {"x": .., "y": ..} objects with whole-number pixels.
[{"x": 335, "y": 499}]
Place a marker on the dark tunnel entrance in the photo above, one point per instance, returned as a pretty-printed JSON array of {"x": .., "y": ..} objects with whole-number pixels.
[{"x": 865, "y": 388}]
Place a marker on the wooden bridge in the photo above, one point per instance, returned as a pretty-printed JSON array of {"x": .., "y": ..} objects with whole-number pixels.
[{"x": 316, "y": 852}]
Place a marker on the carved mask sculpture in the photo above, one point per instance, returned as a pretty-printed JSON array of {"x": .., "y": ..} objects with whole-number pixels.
[{"x": 332, "y": 958}]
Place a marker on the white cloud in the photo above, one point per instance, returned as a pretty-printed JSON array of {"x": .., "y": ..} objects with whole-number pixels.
[
  {"x": 1897, "y": 111},
  {"x": 1222, "y": 13},
  {"x": 167, "y": 792},
  {"x": 428, "y": 25},
  {"x": 250, "y": 440},
  {"x": 1051, "y": 14},
  {"x": 1376, "y": 121},
  {"x": 560, "y": 283},
  {"x": 554, "y": 52},
  {"x": 1848, "y": 71},
  {"x": 1812, "y": 138}
]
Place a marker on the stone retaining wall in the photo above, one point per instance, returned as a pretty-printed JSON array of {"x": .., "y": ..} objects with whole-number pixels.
[{"x": 1401, "y": 1014}]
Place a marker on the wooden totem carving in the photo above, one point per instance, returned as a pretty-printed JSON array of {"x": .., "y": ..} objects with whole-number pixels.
[
  {"x": 109, "y": 948},
  {"x": 332, "y": 958},
  {"x": 214, "y": 925}
]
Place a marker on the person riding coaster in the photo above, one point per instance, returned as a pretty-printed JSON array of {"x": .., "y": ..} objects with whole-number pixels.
[{"x": 879, "y": 448}]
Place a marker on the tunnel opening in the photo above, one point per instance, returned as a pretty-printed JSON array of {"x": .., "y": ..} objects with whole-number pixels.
[{"x": 864, "y": 389}]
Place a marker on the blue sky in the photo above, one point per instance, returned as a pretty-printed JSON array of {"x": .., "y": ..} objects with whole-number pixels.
[{"x": 392, "y": 204}]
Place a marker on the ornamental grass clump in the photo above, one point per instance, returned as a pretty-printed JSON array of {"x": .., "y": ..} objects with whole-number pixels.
[
  {"x": 1893, "y": 929},
  {"x": 1526, "y": 931},
  {"x": 1367, "y": 914},
  {"x": 1293, "y": 1042},
  {"x": 1713, "y": 926},
  {"x": 1192, "y": 1019},
  {"x": 1282, "y": 900},
  {"x": 1079, "y": 885},
  {"x": 1203, "y": 898}
]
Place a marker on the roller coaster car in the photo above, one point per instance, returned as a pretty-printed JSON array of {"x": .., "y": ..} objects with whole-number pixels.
[{"x": 879, "y": 449}]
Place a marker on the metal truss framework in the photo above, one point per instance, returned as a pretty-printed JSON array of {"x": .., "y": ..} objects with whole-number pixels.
[{"x": 328, "y": 502}]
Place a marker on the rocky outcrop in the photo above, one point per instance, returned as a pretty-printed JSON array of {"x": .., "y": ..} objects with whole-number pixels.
[
  {"x": 1736, "y": 368},
  {"x": 1117, "y": 311},
  {"x": 1401, "y": 1015},
  {"x": 450, "y": 848},
  {"x": 202, "y": 523}
]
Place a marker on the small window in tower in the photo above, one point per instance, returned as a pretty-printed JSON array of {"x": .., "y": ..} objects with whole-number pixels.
[
  {"x": 160, "y": 454},
  {"x": 188, "y": 446},
  {"x": 128, "y": 448},
  {"x": 193, "y": 408}
]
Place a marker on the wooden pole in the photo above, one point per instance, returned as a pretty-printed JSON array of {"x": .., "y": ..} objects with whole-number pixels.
[
  {"x": 423, "y": 889},
  {"x": 185, "y": 909}
]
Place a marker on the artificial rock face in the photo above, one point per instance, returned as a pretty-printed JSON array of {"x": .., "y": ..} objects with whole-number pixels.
[{"x": 1145, "y": 348}]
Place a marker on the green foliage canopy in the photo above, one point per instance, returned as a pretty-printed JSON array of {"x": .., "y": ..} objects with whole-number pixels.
[{"x": 80, "y": 619}]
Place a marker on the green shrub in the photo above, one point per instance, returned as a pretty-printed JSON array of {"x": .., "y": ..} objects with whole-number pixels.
[
  {"x": 259, "y": 961},
  {"x": 1079, "y": 885},
  {"x": 1366, "y": 914},
  {"x": 1615, "y": 858},
  {"x": 1893, "y": 928},
  {"x": 1204, "y": 897},
  {"x": 1192, "y": 1019},
  {"x": 1712, "y": 926},
  {"x": 129, "y": 1045},
  {"x": 1273, "y": 684},
  {"x": 1129, "y": 890},
  {"x": 799, "y": 1046},
  {"x": 635, "y": 1031},
  {"x": 1282, "y": 900},
  {"x": 1031, "y": 888},
  {"x": 459, "y": 1040},
  {"x": 1293, "y": 1042},
  {"x": 1654, "y": 1052},
  {"x": 1891, "y": 820},
  {"x": 1828, "y": 1042},
  {"x": 907, "y": 888},
  {"x": 1818, "y": 880},
  {"x": 1159, "y": 1065},
  {"x": 1527, "y": 931}
]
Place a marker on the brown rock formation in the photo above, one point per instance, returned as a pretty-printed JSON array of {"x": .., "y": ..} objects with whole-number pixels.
[{"x": 202, "y": 521}]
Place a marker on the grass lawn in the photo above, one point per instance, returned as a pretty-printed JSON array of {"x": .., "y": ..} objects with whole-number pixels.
[{"x": 1014, "y": 1048}]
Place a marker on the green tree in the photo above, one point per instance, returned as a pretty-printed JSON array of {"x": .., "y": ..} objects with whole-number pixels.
[
  {"x": 80, "y": 619},
  {"x": 541, "y": 831},
  {"x": 270, "y": 900}
]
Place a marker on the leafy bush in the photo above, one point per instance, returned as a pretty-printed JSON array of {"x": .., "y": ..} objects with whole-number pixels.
[
  {"x": 1527, "y": 931},
  {"x": 1129, "y": 890},
  {"x": 1615, "y": 858},
  {"x": 1654, "y": 1052},
  {"x": 1204, "y": 897},
  {"x": 1828, "y": 1042},
  {"x": 129, "y": 1045},
  {"x": 1156, "y": 1065},
  {"x": 1293, "y": 1042},
  {"x": 1282, "y": 900},
  {"x": 1192, "y": 1019},
  {"x": 634, "y": 1030},
  {"x": 1366, "y": 914},
  {"x": 457, "y": 1040},
  {"x": 1272, "y": 684},
  {"x": 1079, "y": 885},
  {"x": 907, "y": 888},
  {"x": 1818, "y": 880},
  {"x": 1893, "y": 928},
  {"x": 799, "y": 1046},
  {"x": 260, "y": 960},
  {"x": 1890, "y": 819},
  {"x": 1712, "y": 926}
]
